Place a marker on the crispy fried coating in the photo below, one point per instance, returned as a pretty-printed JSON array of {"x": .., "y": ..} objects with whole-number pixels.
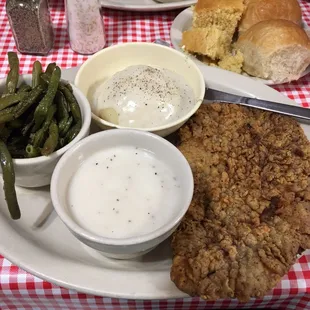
[{"x": 250, "y": 214}]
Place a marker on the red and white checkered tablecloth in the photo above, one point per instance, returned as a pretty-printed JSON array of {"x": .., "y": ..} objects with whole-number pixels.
[{"x": 20, "y": 290}]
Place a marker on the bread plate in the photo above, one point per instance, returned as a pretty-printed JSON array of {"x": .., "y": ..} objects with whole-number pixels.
[
  {"x": 146, "y": 5},
  {"x": 52, "y": 253},
  {"x": 184, "y": 21}
]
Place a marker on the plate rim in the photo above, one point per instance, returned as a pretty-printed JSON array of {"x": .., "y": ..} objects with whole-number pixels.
[
  {"x": 52, "y": 267},
  {"x": 184, "y": 16},
  {"x": 115, "y": 289},
  {"x": 156, "y": 7}
]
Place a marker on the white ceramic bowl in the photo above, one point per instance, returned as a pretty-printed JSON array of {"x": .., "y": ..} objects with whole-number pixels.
[
  {"x": 35, "y": 172},
  {"x": 69, "y": 163},
  {"x": 104, "y": 64}
]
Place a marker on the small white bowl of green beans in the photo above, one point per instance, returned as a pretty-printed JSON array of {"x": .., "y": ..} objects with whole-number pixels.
[{"x": 41, "y": 117}]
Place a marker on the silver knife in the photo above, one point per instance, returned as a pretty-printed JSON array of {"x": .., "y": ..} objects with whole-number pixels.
[{"x": 212, "y": 95}]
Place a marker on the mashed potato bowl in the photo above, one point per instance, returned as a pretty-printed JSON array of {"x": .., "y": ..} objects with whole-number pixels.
[{"x": 106, "y": 63}]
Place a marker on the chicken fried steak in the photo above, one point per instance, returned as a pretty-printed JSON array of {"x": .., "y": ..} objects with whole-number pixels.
[{"x": 250, "y": 214}]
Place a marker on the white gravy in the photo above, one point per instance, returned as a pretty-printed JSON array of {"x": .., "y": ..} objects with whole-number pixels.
[
  {"x": 123, "y": 192},
  {"x": 142, "y": 97}
]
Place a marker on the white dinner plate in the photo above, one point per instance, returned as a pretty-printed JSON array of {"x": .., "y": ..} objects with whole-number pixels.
[
  {"x": 146, "y": 5},
  {"x": 183, "y": 22},
  {"x": 52, "y": 253}
]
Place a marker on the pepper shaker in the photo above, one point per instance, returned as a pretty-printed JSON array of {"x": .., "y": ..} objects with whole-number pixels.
[
  {"x": 31, "y": 25},
  {"x": 85, "y": 26}
]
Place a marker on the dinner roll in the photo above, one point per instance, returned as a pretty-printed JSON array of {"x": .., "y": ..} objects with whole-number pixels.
[
  {"x": 259, "y": 10},
  {"x": 275, "y": 49}
]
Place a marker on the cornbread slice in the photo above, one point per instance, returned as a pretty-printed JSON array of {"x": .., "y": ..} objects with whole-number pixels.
[
  {"x": 209, "y": 41},
  {"x": 224, "y": 14},
  {"x": 214, "y": 24},
  {"x": 232, "y": 62}
]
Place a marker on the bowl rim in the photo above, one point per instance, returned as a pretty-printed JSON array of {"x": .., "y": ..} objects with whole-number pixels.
[
  {"x": 153, "y": 45},
  {"x": 110, "y": 134},
  {"x": 84, "y": 104}
]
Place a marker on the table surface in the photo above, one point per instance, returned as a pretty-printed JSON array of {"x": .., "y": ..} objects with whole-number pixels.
[{"x": 19, "y": 289}]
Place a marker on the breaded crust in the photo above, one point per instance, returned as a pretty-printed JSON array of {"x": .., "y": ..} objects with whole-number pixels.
[{"x": 250, "y": 215}]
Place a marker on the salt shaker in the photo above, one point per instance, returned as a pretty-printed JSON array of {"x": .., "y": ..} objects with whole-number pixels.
[
  {"x": 85, "y": 26},
  {"x": 31, "y": 25}
]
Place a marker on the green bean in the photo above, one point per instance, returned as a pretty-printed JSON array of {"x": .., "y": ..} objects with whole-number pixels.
[
  {"x": 24, "y": 88},
  {"x": 9, "y": 100},
  {"x": 64, "y": 126},
  {"x": 50, "y": 68},
  {"x": 62, "y": 85},
  {"x": 47, "y": 101},
  {"x": 39, "y": 136},
  {"x": 62, "y": 112},
  {"x": 49, "y": 117},
  {"x": 45, "y": 78},
  {"x": 29, "y": 100},
  {"x": 27, "y": 126},
  {"x": 36, "y": 73},
  {"x": 68, "y": 85},
  {"x": 9, "y": 181},
  {"x": 13, "y": 76},
  {"x": 74, "y": 106},
  {"x": 7, "y": 114},
  {"x": 52, "y": 140},
  {"x": 73, "y": 132},
  {"x": 32, "y": 151},
  {"x": 11, "y": 113}
]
